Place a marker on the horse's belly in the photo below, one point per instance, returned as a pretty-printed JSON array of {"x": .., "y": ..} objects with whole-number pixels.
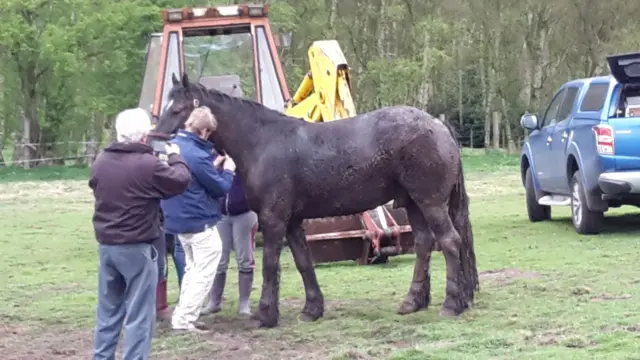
[{"x": 347, "y": 202}]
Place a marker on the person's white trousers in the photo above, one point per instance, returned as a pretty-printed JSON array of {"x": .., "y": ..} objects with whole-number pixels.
[{"x": 202, "y": 255}]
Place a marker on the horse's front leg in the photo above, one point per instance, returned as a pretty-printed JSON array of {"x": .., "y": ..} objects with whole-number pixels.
[
  {"x": 314, "y": 301},
  {"x": 273, "y": 231}
]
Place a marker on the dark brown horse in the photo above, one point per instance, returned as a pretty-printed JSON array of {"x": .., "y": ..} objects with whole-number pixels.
[{"x": 294, "y": 170}]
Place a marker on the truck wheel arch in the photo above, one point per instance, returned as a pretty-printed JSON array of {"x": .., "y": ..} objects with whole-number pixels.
[
  {"x": 593, "y": 200},
  {"x": 524, "y": 165},
  {"x": 572, "y": 167}
]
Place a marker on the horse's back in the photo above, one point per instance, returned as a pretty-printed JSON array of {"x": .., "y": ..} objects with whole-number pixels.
[{"x": 387, "y": 128}]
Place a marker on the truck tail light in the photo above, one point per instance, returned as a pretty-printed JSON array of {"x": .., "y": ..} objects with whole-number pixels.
[{"x": 604, "y": 139}]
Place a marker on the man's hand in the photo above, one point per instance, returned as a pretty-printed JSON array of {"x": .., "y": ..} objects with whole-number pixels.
[
  {"x": 172, "y": 149},
  {"x": 229, "y": 164},
  {"x": 218, "y": 161}
]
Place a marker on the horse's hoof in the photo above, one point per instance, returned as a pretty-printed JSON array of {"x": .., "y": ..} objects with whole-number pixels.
[
  {"x": 308, "y": 317},
  {"x": 259, "y": 323},
  {"x": 408, "y": 307},
  {"x": 447, "y": 313}
]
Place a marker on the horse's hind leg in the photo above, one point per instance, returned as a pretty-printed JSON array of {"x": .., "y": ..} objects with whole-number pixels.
[
  {"x": 437, "y": 216},
  {"x": 273, "y": 231},
  {"x": 314, "y": 301},
  {"x": 419, "y": 295}
]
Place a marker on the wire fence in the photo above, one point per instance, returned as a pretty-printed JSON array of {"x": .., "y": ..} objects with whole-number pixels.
[{"x": 49, "y": 154}]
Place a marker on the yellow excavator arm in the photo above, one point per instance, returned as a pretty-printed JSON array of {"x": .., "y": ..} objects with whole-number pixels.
[{"x": 325, "y": 92}]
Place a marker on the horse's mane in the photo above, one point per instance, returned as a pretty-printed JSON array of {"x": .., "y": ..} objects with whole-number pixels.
[{"x": 259, "y": 112}]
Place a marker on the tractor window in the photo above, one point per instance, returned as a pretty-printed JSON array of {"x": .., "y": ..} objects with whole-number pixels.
[
  {"x": 269, "y": 83},
  {"x": 172, "y": 67},
  {"x": 213, "y": 53},
  {"x": 150, "y": 75}
]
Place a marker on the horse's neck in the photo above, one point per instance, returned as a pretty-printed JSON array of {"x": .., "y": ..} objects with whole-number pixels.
[{"x": 245, "y": 134}]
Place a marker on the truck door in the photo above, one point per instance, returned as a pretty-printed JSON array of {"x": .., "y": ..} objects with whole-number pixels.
[
  {"x": 625, "y": 120},
  {"x": 540, "y": 142},
  {"x": 559, "y": 141}
]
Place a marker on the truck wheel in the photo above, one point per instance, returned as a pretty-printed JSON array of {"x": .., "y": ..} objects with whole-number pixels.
[
  {"x": 584, "y": 220},
  {"x": 535, "y": 211}
]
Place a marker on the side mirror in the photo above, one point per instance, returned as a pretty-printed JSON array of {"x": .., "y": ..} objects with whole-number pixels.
[
  {"x": 283, "y": 40},
  {"x": 529, "y": 121}
]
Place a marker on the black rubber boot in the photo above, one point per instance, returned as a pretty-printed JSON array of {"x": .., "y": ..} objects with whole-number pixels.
[
  {"x": 215, "y": 295},
  {"x": 245, "y": 282}
]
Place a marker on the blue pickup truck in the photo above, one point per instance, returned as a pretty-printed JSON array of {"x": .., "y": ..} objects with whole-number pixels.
[{"x": 584, "y": 151}]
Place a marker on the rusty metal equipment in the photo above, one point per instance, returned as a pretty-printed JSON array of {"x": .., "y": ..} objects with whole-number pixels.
[
  {"x": 367, "y": 238},
  {"x": 324, "y": 95}
]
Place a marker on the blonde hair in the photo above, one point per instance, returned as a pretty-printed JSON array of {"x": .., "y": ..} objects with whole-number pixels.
[
  {"x": 132, "y": 125},
  {"x": 200, "y": 119}
]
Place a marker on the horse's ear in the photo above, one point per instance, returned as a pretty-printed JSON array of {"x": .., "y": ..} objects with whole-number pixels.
[
  {"x": 175, "y": 79},
  {"x": 185, "y": 80}
]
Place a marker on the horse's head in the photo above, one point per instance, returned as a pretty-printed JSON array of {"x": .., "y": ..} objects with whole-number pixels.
[{"x": 183, "y": 98}]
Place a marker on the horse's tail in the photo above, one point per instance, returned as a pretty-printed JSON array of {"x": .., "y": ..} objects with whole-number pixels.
[{"x": 459, "y": 214}]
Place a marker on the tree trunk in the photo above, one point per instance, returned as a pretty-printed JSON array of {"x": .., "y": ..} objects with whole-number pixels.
[
  {"x": 460, "y": 91},
  {"x": 486, "y": 97},
  {"x": 497, "y": 119},
  {"x": 94, "y": 138},
  {"x": 511, "y": 146}
]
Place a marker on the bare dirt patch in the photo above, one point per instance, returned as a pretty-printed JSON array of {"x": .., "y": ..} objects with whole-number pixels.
[
  {"x": 507, "y": 275},
  {"x": 609, "y": 297},
  {"x": 230, "y": 339},
  {"x": 555, "y": 337},
  {"x": 23, "y": 342}
]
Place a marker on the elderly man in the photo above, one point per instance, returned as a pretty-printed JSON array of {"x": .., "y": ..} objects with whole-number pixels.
[
  {"x": 128, "y": 182},
  {"x": 194, "y": 214}
]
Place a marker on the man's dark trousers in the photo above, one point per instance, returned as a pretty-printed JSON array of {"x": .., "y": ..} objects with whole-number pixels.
[{"x": 127, "y": 280}]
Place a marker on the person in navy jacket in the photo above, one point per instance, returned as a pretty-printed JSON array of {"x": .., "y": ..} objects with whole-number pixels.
[
  {"x": 193, "y": 216},
  {"x": 237, "y": 229}
]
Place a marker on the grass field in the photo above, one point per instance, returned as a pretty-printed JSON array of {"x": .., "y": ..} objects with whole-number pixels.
[{"x": 546, "y": 292}]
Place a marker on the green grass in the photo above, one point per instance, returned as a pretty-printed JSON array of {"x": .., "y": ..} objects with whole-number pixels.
[
  {"x": 564, "y": 296},
  {"x": 18, "y": 174},
  {"x": 474, "y": 160}
]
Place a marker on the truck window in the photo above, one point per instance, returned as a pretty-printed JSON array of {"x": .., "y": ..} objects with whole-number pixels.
[
  {"x": 567, "y": 104},
  {"x": 552, "y": 110},
  {"x": 595, "y": 97}
]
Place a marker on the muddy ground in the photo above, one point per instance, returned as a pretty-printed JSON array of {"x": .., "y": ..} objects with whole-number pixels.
[{"x": 230, "y": 338}]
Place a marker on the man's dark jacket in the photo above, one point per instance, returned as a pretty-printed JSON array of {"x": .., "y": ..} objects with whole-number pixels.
[{"x": 128, "y": 182}]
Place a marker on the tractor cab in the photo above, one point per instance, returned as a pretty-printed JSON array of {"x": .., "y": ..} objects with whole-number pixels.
[{"x": 230, "y": 48}]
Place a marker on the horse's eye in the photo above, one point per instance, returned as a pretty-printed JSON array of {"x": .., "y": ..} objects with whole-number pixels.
[{"x": 169, "y": 104}]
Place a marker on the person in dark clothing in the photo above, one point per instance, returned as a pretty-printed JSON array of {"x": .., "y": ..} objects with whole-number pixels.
[
  {"x": 237, "y": 229},
  {"x": 174, "y": 248},
  {"x": 128, "y": 182}
]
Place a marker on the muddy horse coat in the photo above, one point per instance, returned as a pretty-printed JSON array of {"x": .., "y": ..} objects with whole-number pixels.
[{"x": 295, "y": 170}]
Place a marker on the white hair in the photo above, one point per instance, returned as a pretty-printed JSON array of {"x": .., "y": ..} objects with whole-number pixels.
[{"x": 132, "y": 125}]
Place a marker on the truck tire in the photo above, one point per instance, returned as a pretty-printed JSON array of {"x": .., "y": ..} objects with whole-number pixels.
[
  {"x": 535, "y": 211},
  {"x": 585, "y": 221}
]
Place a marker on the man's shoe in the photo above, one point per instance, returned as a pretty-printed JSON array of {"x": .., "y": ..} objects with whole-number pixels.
[{"x": 195, "y": 327}]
